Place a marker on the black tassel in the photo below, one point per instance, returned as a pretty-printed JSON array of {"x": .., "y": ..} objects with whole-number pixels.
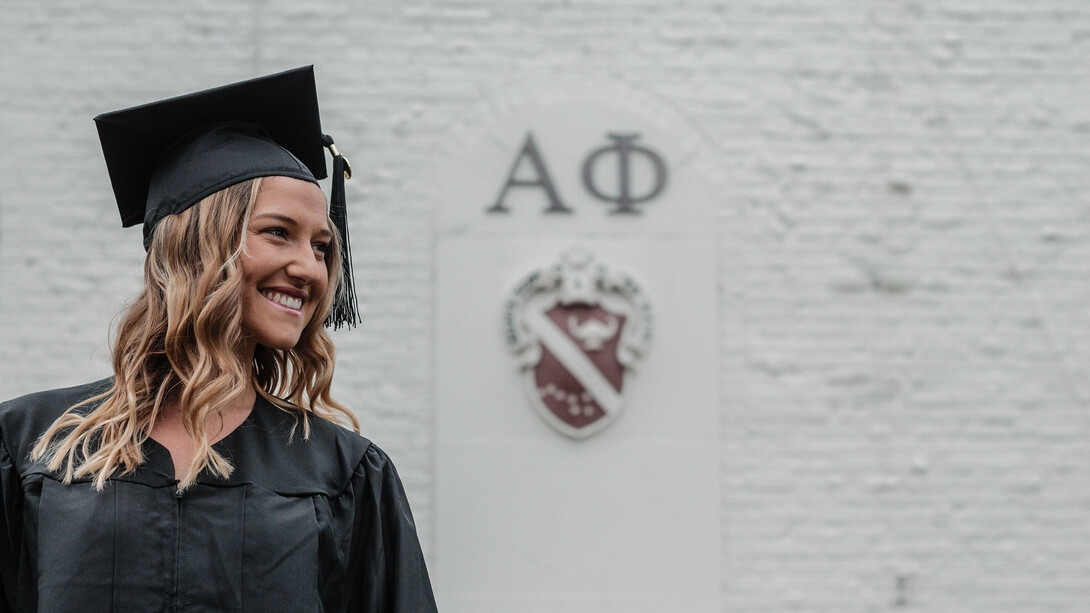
[{"x": 345, "y": 310}]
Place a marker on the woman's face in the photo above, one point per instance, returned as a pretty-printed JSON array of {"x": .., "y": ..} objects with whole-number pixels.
[{"x": 283, "y": 264}]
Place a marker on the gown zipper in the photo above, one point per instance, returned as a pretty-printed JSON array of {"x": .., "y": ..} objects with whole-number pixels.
[{"x": 178, "y": 495}]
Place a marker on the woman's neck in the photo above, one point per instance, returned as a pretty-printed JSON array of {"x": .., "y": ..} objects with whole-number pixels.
[{"x": 169, "y": 428}]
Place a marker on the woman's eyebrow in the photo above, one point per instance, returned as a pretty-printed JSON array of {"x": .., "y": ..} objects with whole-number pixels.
[
  {"x": 324, "y": 232},
  {"x": 277, "y": 216}
]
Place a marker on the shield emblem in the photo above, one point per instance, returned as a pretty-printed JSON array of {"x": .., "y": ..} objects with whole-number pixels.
[{"x": 578, "y": 331}]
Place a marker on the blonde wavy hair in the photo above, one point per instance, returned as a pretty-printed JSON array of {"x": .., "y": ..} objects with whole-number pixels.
[{"x": 181, "y": 336}]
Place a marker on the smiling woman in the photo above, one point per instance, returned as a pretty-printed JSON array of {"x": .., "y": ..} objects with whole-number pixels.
[{"x": 210, "y": 471}]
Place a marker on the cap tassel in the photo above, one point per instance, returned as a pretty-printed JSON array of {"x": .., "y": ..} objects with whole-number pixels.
[{"x": 345, "y": 309}]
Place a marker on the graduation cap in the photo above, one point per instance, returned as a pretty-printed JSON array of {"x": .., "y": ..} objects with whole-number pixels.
[{"x": 166, "y": 156}]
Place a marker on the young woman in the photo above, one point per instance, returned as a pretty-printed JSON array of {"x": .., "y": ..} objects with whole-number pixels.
[{"x": 208, "y": 473}]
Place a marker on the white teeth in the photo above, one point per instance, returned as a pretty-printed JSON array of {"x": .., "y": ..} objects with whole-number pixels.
[{"x": 288, "y": 301}]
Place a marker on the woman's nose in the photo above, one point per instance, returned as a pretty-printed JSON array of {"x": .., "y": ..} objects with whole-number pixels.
[{"x": 305, "y": 265}]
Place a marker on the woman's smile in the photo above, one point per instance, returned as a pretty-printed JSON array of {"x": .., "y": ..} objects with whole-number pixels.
[{"x": 287, "y": 299}]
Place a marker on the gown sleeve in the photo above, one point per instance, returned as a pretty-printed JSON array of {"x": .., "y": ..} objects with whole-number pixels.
[
  {"x": 11, "y": 517},
  {"x": 386, "y": 571}
]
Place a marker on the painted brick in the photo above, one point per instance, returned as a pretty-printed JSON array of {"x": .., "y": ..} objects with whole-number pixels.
[{"x": 904, "y": 348}]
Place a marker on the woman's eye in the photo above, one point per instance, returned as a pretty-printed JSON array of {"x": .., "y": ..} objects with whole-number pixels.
[
  {"x": 277, "y": 231},
  {"x": 322, "y": 248}
]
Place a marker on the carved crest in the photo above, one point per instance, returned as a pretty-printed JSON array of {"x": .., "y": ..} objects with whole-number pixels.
[{"x": 577, "y": 330}]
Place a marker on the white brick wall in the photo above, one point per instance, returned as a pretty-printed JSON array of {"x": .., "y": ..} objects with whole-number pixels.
[{"x": 905, "y": 338}]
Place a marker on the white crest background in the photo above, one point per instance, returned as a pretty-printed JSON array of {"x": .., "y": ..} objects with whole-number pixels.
[{"x": 899, "y": 282}]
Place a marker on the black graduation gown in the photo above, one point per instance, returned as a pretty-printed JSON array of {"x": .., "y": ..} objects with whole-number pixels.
[{"x": 314, "y": 525}]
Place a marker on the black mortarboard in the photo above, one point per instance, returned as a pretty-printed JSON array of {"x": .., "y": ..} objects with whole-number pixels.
[{"x": 166, "y": 156}]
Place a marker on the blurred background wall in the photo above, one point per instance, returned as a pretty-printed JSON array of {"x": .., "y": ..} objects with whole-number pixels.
[{"x": 901, "y": 284}]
